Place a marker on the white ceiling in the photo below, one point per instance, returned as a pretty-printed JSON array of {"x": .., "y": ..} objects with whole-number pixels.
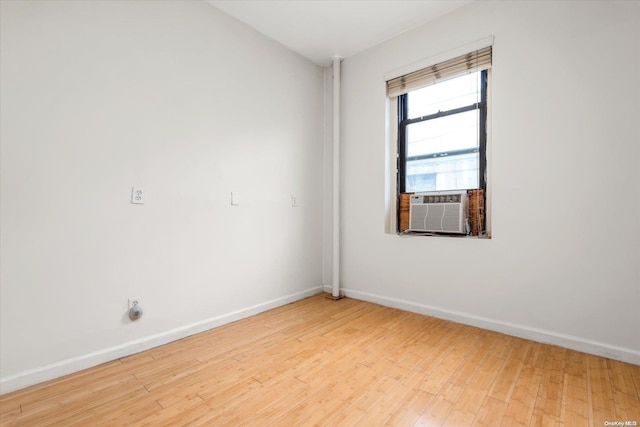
[{"x": 322, "y": 29}]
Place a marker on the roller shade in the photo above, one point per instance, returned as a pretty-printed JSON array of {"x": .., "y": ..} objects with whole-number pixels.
[{"x": 473, "y": 61}]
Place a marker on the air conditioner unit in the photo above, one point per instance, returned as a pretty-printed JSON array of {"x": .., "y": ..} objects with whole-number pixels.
[{"x": 439, "y": 212}]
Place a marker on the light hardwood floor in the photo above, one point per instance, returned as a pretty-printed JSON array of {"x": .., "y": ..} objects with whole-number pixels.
[{"x": 339, "y": 363}]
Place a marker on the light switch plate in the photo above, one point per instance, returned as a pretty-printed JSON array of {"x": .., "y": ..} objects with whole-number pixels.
[{"x": 235, "y": 198}]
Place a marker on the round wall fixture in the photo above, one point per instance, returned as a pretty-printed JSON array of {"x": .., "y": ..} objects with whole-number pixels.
[{"x": 135, "y": 312}]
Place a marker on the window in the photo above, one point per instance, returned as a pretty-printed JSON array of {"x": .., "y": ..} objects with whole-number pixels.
[
  {"x": 442, "y": 135},
  {"x": 442, "y": 138}
]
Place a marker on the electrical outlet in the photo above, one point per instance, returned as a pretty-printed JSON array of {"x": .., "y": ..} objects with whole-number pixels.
[
  {"x": 133, "y": 301},
  {"x": 137, "y": 195}
]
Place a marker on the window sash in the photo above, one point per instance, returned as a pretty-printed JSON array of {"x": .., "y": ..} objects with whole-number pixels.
[{"x": 403, "y": 123}]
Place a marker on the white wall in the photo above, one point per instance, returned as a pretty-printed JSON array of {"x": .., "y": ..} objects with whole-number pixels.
[
  {"x": 563, "y": 265},
  {"x": 185, "y": 102}
]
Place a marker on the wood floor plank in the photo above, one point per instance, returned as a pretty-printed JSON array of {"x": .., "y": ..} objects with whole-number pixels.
[
  {"x": 198, "y": 415},
  {"x": 10, "y": 410},
  {"x": 625, "y": 398},
  {"x": 344, "y": 386},
  {"x": 522, "y": 402},
  {"x": 55, "y": 410},
  {"x": 601, "y": 393},
  {"x": 387, "y": 406},
  {"x": 491, "y": 413},
  {"x": 466, "y": 408},
  {"x": 635, "y": 377},
  {"x": 371, "y": 398},
  {"x": 506, "y": 380},
  {"x": 449, "y": 362},
  {"x": 346, "y": 362},
  {"x": 411, "y": 409},
  {"x": 351, "y": 388},
  {"x": 487, "y": 372},
  {"x": 265, "y": 408},
  {"x": 441, "y": 406},
  {"x": 171, "y": 408},
  {"x": 548, "y": 405},
  {"x": 575, "y": 391},
  {"x": 469, "y": 367}
]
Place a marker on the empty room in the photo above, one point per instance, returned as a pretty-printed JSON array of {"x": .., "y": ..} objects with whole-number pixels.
[{"x": 331, "y": 213}]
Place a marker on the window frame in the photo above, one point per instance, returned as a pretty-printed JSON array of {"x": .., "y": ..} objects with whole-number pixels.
[{"x": 404, "y": 122}]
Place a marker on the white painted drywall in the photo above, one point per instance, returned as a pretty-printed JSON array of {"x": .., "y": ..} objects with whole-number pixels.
[
  {"x": 564, "y": 262},
  {"x": 185, "y": 102}
]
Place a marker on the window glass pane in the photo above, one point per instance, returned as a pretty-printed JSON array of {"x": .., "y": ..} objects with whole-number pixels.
[
  {"x": 450, "y": 94},
  {"x": 442, "y": 173},
  {"x": 449, "y": 133}
]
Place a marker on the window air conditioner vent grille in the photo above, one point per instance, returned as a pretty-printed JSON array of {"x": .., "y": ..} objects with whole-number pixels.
[{"x": 439, "y": 212}]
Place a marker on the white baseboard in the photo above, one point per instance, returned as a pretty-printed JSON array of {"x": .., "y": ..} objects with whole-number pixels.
[
  {"x": 539, "y": 335},
  {"x": 75, "y": 364}
]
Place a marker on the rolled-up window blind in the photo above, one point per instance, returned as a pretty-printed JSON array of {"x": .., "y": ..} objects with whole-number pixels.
[{"x": 473, "y": 61}]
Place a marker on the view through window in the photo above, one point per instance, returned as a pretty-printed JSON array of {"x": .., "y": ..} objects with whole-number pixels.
[{"x": 442, "y": 135}]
